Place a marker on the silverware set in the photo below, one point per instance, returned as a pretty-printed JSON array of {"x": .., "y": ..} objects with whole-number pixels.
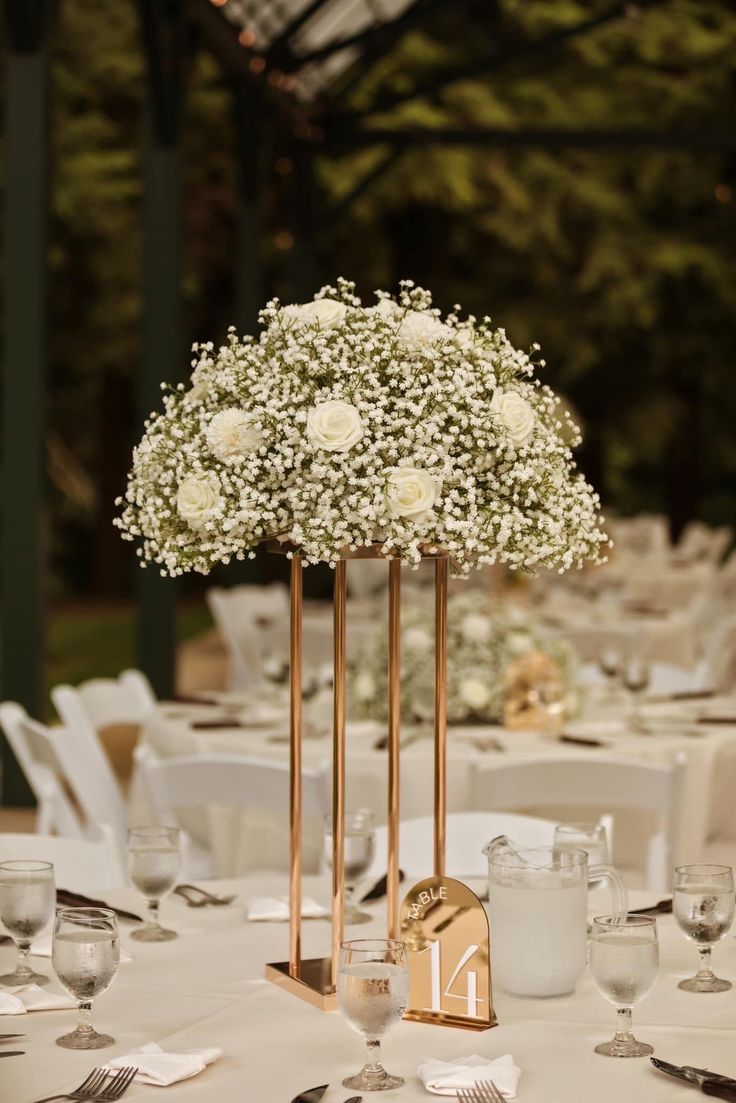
[
  {"x": 100, "y": 1085},
  {"x": 484, "y": 1091}
]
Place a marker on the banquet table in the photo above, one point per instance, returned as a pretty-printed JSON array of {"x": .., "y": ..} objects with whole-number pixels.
[
  {"x": 207, "y": 989},
  {"x": 243, "y": 841}
]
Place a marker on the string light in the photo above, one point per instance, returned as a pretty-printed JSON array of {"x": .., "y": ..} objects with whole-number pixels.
[
  {"x": 257, "y": 64},
  {"x": 284, "y": 240},
  {"x": 283, "y": 166},
  {"x": 247, "y": 37},
  {"x": 723, "y": 193}
]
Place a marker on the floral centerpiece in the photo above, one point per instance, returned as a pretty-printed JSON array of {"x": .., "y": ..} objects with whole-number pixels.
[
  {"x": 484, "y": 637},
  {"x": 341, "y": 425}
]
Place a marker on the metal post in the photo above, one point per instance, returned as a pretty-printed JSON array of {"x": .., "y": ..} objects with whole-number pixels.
[
  {"x": 295, "y": 771},
  {"x": 25, "y": 283},
  {"x": 338, "y": 767},
  {"x": 394, "y": 744},
  {"x": 252, "y": 148},
  {"x": 164, "y": 26},
  {"x": 440, "y": 714}
]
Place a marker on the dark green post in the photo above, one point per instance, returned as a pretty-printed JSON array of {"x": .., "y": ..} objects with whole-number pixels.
[
  {"x": 305, "y": 219},
  {"x": 27, "y": 27},
  {"x": 165, "y": 34},
  {"x": 253, "y": 147}
]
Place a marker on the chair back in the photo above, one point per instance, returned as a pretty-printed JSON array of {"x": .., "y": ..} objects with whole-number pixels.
[
  {"x": 80, "y": 865},
  {"x": 88, "y": 768},
  {"x": 124, "y": 700},
  {"x": 467, "y": 834},
  {"x": 239, "y": 612},
  {"x": 613, "y": 785},
  {"x": 33, "y": 745}
]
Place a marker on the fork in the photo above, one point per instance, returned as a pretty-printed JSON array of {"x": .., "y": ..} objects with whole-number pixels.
[
  {"x": 94, "y": 1086},
  {"x": 484, "y": 1091}
]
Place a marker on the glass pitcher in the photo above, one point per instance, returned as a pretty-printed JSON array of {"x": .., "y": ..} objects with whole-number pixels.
[{"x": 538, "y": 906}]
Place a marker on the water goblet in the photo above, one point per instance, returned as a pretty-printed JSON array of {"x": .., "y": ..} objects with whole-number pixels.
[
  {"x": 703, "y": 904},
  {"x": 373, "y": 991},
  {"x": 590, "y": 837},
  {"x": 637, "y": 674},
  {"x": 359, "y": 850},
  {"x": 609, "y": 664},
  {"x": 85, "y": 957},
  {"x": 624, "y": 958},
  {"x": 154, "y": 859},
  {"x": 27, "y": 899}
]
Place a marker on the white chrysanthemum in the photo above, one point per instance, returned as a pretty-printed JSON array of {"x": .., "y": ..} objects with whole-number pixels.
[
  {"x": 410, "y": 493},
  {"x": 197, "y": 498},
  {"x": 419, "y": 330},
  {"x": 233, "y": 434},
  {"x": 335, "y": 426},
  {"x": 324, "y": 313}
]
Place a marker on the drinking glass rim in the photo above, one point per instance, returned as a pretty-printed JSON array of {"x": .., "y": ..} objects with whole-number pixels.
[
  {"x": 364, "y": 814},
  {"x": 33, "y": 865},
  {"x": 711, "y": 869},
  {"x": 587, "y": 827},
  {"x": 90, "y": 914},
  {"x": 372, "y": 945},
  {"x": 511, "y": 858},
  {"x": 616, "y": 922},
  {"x": 152, "y": 830}
]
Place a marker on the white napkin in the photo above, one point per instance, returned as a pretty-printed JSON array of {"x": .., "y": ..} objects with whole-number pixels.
[
  {"x": 29, "y": 997},
  {"x": 445, "y": 1077},
  {"x": 156, "y": 1066},
  {"x": 42, "y": 946},
  {"x": 275, "y": 909}
]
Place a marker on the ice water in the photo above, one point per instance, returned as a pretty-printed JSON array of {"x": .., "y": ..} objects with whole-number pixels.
[
  {"x": 704, "y": 912},
  {"x": 538, "y": 933},
  {"x": 624, "y": 966},
  {"x": 26, "y": 905},
  {"x": 373, "y": 995},
  {"x": 86, "y": 961},
  {"x": 154, "y": 869}
]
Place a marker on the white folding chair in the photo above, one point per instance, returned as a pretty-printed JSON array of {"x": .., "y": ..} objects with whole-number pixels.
[
  {"x": 467, "y": 834},
  {"x": 88, "y": 768},
  {"x": 613, "y": 785},
  {"x": 717, "y": 669},
  {"x": 80, "y": 865},
  {"x": 124, "y": 700},
  {"x": 32, "y": 744},
  {"x": 239, "y": 613},
  {"x": 176, "y": 784}
]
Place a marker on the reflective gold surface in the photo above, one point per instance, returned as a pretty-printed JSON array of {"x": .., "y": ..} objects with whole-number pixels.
[
  {"x": 445, "y": 928},
  {"x": 440, "y": 714},
  {"x": 394, "y": 734},
  {"x": 295, "y": 768},
  {"x": 338, "y": 766}
]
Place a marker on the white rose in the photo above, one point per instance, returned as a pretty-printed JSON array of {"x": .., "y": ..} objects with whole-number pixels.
[
  {"x": 197, "y": 497},
  {"x": 518, "y": 642},
  {"x": 232, "y": 434},
  {"x": 200, "y": 386},
  {"x": 365, "y": 686},
  {"x": 420, "y": 330},
  {"x": 474, "y": 693},
  {"x": 516, "y": 414},
  {"x": 411, "y": 493},
  {"x": 335, "y": 426},
  {"x": 323, "y": 313},
  {"x": 417, "y": 640},
  {"x": 475, "y": 628}
]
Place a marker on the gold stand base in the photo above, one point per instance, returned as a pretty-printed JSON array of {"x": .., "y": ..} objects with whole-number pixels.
[
  {"x": 444, "y": 1018},
  {"x": 313, "y": 985}
]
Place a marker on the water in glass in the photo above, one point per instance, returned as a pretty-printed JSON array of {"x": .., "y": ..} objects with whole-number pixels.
[
  {"x": 154, "y": 860},
  {"x": 373, "y": 992},
  {"x": 359, "y": 851},
  {"x": 27, "y": 899},
  {"x": 703, "y": 903},
  {"x": 624, "y": 959},
  {"x": 86, "y": 955}
]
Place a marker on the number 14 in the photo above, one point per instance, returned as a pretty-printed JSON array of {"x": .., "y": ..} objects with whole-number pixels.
[{"x": 435, "y": 964}]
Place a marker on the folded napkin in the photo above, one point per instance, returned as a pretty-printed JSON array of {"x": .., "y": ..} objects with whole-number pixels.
[
  {"x": 275, "y": 909},
  {"x": 43, "y": 944},
  {"x": 156, "y": 1066},
  {"x": 29, "y": 997},
  {"x": 445, "y": 1077}
]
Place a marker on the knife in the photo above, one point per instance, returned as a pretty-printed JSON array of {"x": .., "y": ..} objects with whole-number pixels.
[
  {"x": 76, "y": 900},
  {"x": 12, "y": 1052},
  {"x": 311, "y": 1095},
  {"x": 710, "y": 1083},
  {"x": 4, "y": 1037},
  {"x": 663, "y": 907}
]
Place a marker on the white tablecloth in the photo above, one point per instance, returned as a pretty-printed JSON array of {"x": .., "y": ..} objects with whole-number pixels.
[
  {"x": 206, "y": 989},
  {"x": 243, "y": 841}
]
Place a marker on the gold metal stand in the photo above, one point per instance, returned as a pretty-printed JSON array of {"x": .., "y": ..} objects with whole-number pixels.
[{"x": 315, "y": 979}]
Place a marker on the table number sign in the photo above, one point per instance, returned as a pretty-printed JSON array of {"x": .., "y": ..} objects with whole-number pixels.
[{"x": 445, "y": 928}]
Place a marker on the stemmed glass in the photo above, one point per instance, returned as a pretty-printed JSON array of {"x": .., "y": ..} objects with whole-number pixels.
[
  {"x": 590, "y": 837},
  {"x": 704, "y": 908},
  {"x": 637, "y": 674},
  {"x": 373, "y": 991},
  {"x": 624, "y": 958},
  {"x": 359, "y": 849},
  {"x": 154, "y": 859},
  {"x": 27, "y": 899},
  {"x": 85, "y": 956},
  {"x": 609, "y": 664}
]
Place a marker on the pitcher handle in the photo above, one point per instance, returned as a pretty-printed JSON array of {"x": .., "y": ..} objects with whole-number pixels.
[{"x": 619, "y": 896}]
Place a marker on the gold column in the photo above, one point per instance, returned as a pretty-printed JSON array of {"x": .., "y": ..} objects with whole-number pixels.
[
  {"x": 338, "y": 768},
  {"x": 295, "y": 770},
  {"x": 440, "y": 714},
  {"x": 394, "y": 734}
]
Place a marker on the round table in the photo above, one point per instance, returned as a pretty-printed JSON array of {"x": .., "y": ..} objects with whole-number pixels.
[{"x": 207, "y": 989}]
